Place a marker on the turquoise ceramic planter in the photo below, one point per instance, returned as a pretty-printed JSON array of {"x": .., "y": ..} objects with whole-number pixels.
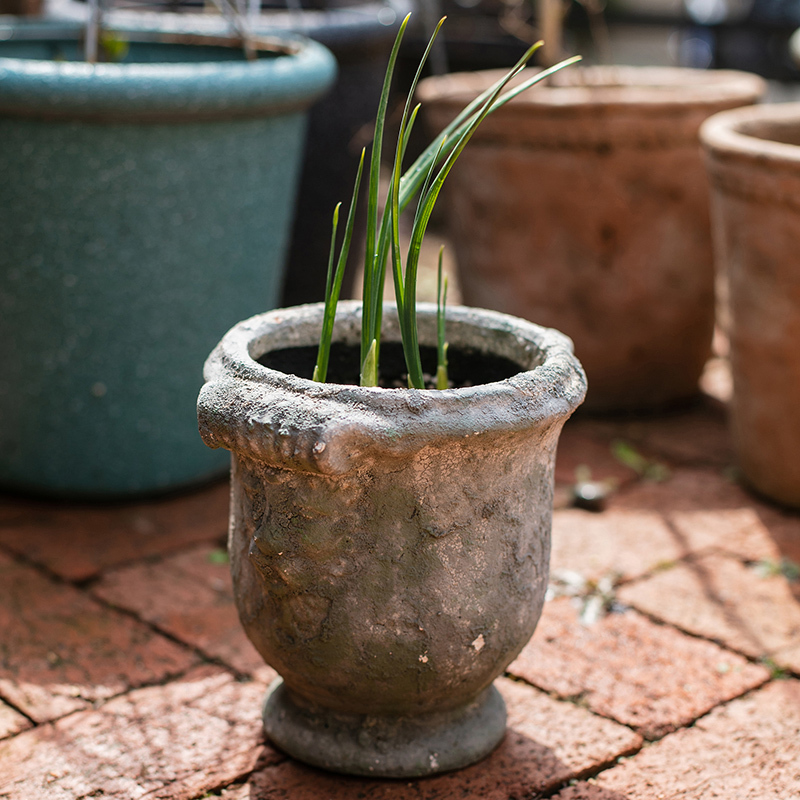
[{"x": 145, "y": 208}]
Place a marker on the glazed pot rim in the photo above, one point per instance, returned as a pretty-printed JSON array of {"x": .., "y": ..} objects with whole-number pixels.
[
  {"x": 339, "y": 27},
  {"x": 605, "y": 87},
  {"x": 252, "y": 409},
  {"x": 301, "y": 71},
  {"x": 746, "y": 133}
]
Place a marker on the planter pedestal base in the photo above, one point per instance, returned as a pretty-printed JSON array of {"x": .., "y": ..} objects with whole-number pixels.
[{"x": 382, "y": 746}]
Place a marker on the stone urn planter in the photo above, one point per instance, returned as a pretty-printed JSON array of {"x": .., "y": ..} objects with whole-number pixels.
[
  {"x": 389, "y": 547},
  {"x": 753, "y": 159},
  {"x": 583, "y": 205},
  {"x": 146, "y": 208}
]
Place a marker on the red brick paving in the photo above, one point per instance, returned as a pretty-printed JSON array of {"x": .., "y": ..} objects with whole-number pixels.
[
  {"x": 692, "y": 436},
  {"x": 719, "y": 598},
  {"x": 625, "y": 543},
  {"x": 175, "y": 741},
  {"x": 747, "y": 750},
  {"x": 582, "y": 446},
  {"x": 61, "y": 651},
  {"x": 704, "y": 509},
  {"x": 79, "y": 542},
  {"x": 188, "y": 596},
  {"x": 622, "y": 667},
  {"x": 11, "y": 721},
  {"x": 105, "y": 659}
]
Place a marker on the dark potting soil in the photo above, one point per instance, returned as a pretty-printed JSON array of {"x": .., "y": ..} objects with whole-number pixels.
[{"x": 466, "y": 367}]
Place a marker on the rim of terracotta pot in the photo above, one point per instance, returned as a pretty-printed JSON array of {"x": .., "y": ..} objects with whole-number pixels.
[
  {"x": 605, "y": 87},
  {"x": 300, "y": 71},
  {"x": 766, "y": 135},
  {"x": 343, "y": 424}
]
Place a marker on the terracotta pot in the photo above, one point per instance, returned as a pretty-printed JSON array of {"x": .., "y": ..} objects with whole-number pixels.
[
  {"x": 389, "y": 547},
  {"x": 584, "y": 206},
  {"x": 753, "y": 158}
]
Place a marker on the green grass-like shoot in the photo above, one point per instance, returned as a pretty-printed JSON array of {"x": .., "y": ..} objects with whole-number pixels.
[
  {"x": 442, "y": 379},
  {"x": 333, "y": 282},
  {"x": 369, "y": 368},
  {"x": 425, "y": 179}
]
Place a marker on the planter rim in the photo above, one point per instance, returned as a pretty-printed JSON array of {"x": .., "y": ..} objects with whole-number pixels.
[
  {"x": 334, "y": 27},
  {"x": 603, "y": 88},
  {"x": 254, "y": 410},
  {"x": 301, "y": 72},
  {"x": 730, "y": 135}
]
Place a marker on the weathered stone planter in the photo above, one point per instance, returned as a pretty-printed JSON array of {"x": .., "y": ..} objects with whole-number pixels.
[
  {"x": 389, "y": 547},
  {"x": 584, "y": 206},
  {"x": 753, "y": 158},
  {"x": 146, "y": 206}
]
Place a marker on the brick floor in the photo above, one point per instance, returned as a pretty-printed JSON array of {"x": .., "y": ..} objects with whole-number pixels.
[
  {"x": 61, "y": 651},
  {"x": 704, "y": 509},
  {"x": 621, "y": 543},
  {"x": 721, "y": 599},
  {"x": 696, "y": 435},
  {"x": 11, "y": 721},
  {"x": 189, "y": 596},
  {"x": 79, "y": 542},
  {"x": 747, "y": 750},
  {"x": 622, "y": 666},
  {"x": 585, "y": 444},
  {"x": 180, "y": 740},
  {"x": 108, "y": 613}
]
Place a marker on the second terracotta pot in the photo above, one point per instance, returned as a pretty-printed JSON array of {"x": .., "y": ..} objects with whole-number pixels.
[
  {"x": 583, "y": 205},
  {"x": 753, "y": 157}
]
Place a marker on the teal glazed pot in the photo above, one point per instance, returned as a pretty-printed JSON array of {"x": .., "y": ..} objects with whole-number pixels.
[{"x": 146, "y": 207}]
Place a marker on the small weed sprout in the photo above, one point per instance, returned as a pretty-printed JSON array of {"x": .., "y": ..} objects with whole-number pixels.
[{"x": 423, "y": 179}]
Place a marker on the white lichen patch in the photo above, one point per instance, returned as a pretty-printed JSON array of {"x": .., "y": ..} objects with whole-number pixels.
[{"x": 479, "y": 643}]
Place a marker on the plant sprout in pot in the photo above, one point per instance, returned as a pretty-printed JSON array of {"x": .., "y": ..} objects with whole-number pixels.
[{"x": 390, "y": 546}]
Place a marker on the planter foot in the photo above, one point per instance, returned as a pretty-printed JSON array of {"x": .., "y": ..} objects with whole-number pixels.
[{"x": 388, "y": 747}]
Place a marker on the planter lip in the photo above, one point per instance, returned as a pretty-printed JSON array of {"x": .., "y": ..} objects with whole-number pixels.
[
  {"x": 302, "y": 71},
  {"x": 251, "y": 409},
  {"x": 730, "y": 136},
  {"x": 602, "y": 88}
]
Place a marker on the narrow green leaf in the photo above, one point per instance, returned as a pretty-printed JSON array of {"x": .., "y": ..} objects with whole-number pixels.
[
  {"x": 369, "y": 369},
  {"x": 407, "y": 120},
  {"x": 442, "y": 378},
  {"x": 335, "y": 277},
  {"x": 441, "y": 343},
  {"x": 324, "y": 349},
  {"x": 424, "y": 211},
  {"x": 371, "y": 267},
  {"x": 415, "y": 175},
  {"x": 331, "y": 253},
  {"x": 464, "y": 135}
]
